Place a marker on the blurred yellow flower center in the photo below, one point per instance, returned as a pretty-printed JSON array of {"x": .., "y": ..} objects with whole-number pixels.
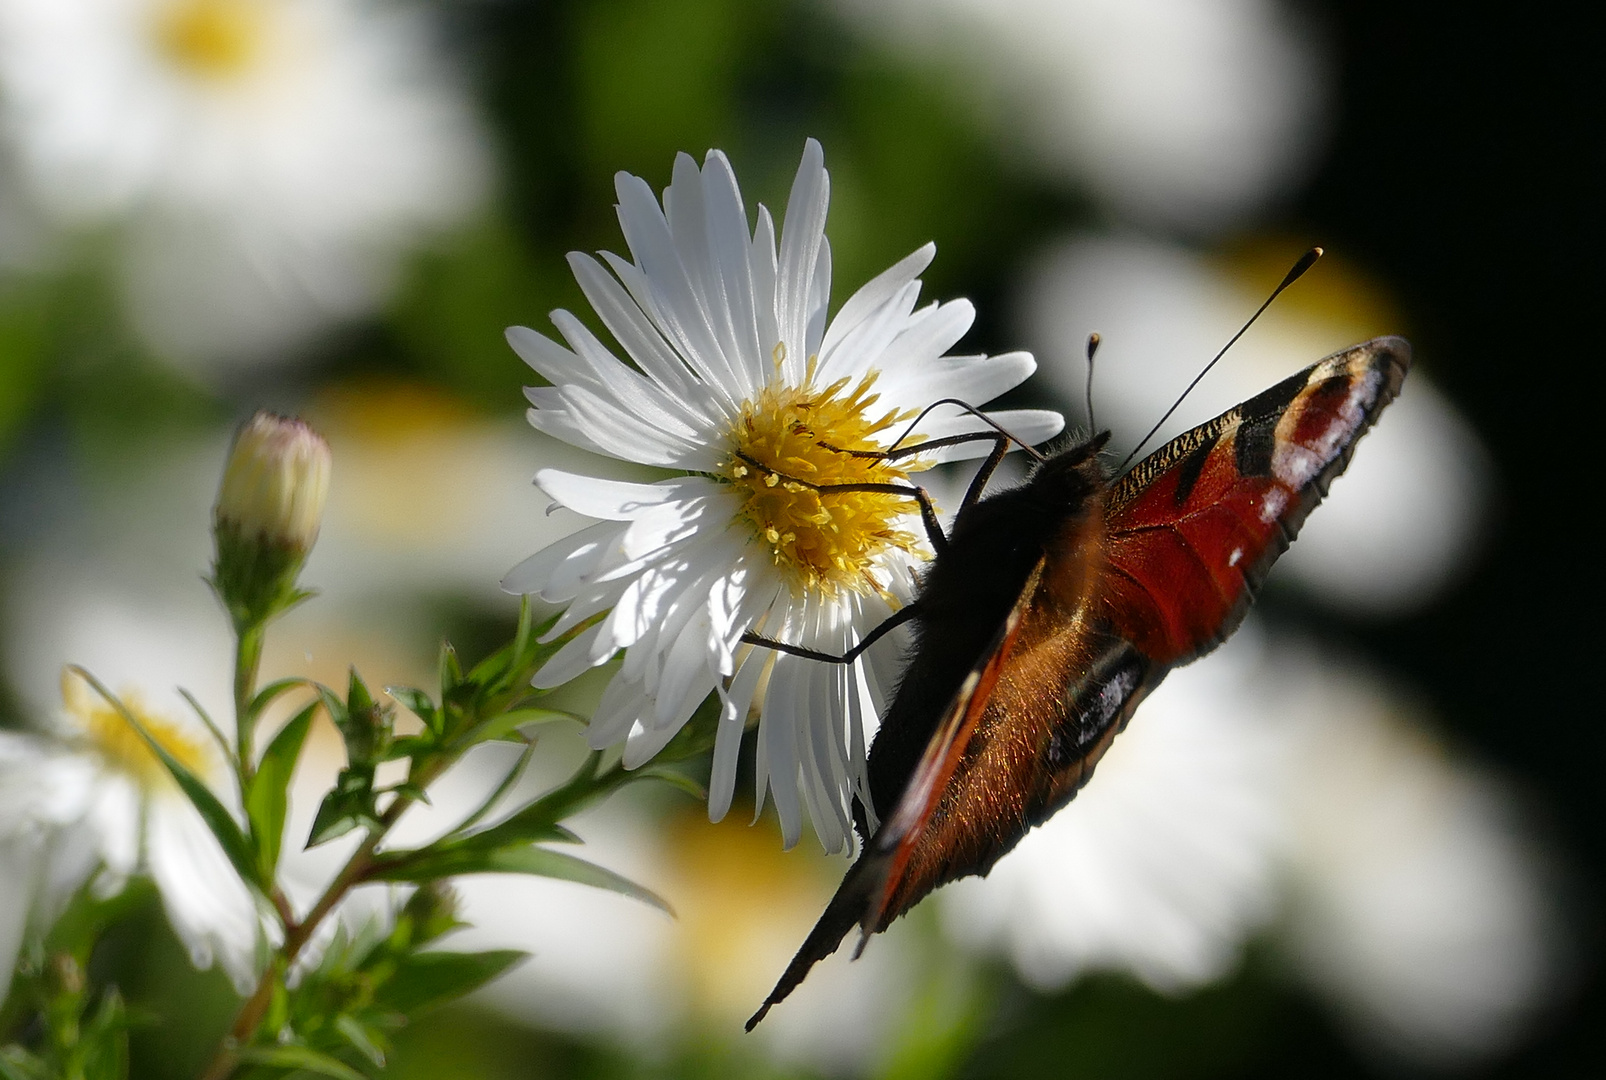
[
  {"x": 217, "y": 39},
  {"x": 790, "y": 438},
  {"x": 111, "y": 736}
]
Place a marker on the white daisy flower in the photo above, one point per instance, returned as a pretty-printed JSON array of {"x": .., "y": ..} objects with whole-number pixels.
[
  {"x": 98, "y": 803},
  {"x": 741, "y": 387},
  {"x": 268, "y": 160}
]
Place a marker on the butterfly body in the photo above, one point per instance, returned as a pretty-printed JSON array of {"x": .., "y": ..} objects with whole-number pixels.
[{"x": 1057, "y": 606}]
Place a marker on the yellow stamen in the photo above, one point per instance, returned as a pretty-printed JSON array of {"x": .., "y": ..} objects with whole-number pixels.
[
  {"x": 107, "y": 733},
  {"x": 825, "y": 541}
]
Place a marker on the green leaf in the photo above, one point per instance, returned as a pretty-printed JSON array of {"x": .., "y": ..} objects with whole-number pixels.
[
  {"x": 268, "y": 798},
  {"x": 418, "y": 703},
  {"x": 674, "y": 779},
  {"x": 17, "y": 1064},
  {"x": 291, "y": 1056},
  {"x": 350, "y": 805},
  {"x": 218, "y": 819},
  {"x": 451, "y": 669},
  {"x": 425, "y": 980},
  {"x": 506, "y": 726},
  {"x": 274, "y": 690},
  {"x": 365, "y": 1042},
  {"x": 432, "y": 863},
  {"x": 103, "y": 1041}
]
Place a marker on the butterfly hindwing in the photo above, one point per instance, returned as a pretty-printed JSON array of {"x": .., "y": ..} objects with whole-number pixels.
[
  {"x": 1194, "y": 528},
  {"x": 876, "y": 888}
]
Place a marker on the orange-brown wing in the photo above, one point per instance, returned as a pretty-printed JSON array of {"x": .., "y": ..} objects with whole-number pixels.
[
  {"x": 1194, "y": 528},
  {"x": 870, "y": 892}
]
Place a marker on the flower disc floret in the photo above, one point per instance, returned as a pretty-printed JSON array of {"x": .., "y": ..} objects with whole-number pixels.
[{"x": 793, "y": 441}]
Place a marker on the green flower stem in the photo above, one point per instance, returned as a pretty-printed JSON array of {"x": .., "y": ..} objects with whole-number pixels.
[
  {"x": 247, "y": 660},
  {"x": 298, "y": 933}
]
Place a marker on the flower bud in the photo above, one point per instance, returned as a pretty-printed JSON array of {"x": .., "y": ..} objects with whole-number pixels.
[{"x": 269, "y": 508}]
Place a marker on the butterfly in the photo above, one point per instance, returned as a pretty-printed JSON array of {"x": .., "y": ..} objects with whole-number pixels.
[{"x": 1051, "y": 610}]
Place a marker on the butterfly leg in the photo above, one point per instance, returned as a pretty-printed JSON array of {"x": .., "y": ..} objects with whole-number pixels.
[
  {"x": 928, "y": 512},
  {"x": 897, "y": 618},
  {"x": 999, "y": 436}
]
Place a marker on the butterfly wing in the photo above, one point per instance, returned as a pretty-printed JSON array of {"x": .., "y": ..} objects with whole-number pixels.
[
  {"x": 1193, "y": 529},
  {"x": 870, "y": 892}
]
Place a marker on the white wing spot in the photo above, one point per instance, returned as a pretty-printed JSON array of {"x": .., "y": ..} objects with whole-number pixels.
[
  {"x": 1271, "y": 506},
  {"x": 1237, "y": 553}
]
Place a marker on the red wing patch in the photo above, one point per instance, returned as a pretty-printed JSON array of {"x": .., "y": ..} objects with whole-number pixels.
[{"x": 1194, "y": 527}]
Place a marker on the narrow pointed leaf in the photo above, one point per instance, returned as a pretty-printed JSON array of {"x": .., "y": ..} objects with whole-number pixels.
[
  {"x": 674, "y": 779},
  {"x": 217, "y": 817},
  {"x": 268, "y": 798},
  {"x": 287, "y": 1056},
  {"x": 428, "y": 979},
  {"x": 416, "y": 702},
  {"x": 272, "y": 691},
  {"x": 506, "y": 725},
  {"x": 365, "y": 1042},
  {"x": 520, "y": 859}
]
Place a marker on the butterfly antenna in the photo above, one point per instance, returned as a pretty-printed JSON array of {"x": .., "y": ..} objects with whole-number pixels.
[
  {"x": 1092, "y": 347},
  {"x": 1306, "y": 261}
]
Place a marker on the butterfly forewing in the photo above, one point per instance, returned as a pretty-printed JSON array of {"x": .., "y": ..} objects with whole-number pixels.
[{"x": 1194, "y": 528}]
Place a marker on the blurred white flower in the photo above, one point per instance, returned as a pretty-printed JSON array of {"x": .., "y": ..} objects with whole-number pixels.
[
  {"x": 744, "y": 390},
  {"x": 267, "y": 160},
  {"x": 1403, "y": 519},
  {"x": 1268, "y": 789},
  {"x": 1418, "y": 902},
  {"x": 1171, "y": 112},
  {"x": 95, "y": 795},
  {"x": 19, "y": 862}
]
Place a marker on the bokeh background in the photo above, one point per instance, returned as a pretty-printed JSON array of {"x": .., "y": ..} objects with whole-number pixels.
[{"x": 1363, "y": 840}]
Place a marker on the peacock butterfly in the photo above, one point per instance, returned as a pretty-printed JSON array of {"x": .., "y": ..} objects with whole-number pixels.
[{"x": 1051, "y": 610}]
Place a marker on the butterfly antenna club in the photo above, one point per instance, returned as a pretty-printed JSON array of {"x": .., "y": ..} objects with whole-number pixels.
[{"x": 1087, "y": 389}]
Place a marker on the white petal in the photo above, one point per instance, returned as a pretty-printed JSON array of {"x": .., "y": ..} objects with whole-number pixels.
[
  {"x": 675, "y": 304},
  {"x": 875, "y": 293},
  {"x": 762, "y": 259},
  {"x": 623, "y": 702},
  {"x": 780, "y": 729},
  {"x": 860, "y": 350},
  {"x": 208, "y": 906},
  {"x": 568, "y": 662},
  {"x": 802, "y": 236},
  {"x": 728, "y": 246},
  {"x": 735, "y": 701},
  {"x": 612, "y": 500},
  {"x": 554, "y": 363},
  {"x": 974, "y": 380},
  {"x": 635, "y": 331},
  {"x": 533, "y": 574},
  {"x": 622, "y": 434}
]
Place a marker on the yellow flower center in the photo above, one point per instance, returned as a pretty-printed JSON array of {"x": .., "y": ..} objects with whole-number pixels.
[
  {"x": 108, "y": 734},
  {"x": 215, "y": 39},
  {"x": 792, "y": 440}
]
